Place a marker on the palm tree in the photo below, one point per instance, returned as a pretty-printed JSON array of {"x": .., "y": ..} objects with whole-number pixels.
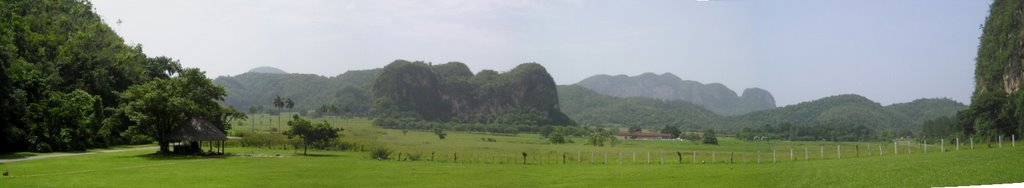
[
  {"x": 289, "y": 104},
  {"x": 279, "y": 103},
  {"x": 253, "y": 110}
]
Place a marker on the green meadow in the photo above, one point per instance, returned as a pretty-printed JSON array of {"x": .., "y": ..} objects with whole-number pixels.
[{"x": 500, "y": 164}]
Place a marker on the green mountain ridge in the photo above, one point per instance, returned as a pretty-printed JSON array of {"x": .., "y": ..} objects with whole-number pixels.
[{"x": 714, "y": 96}]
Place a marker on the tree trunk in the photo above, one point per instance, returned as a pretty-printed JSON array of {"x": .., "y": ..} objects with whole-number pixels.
[
  {"x": 164, "y": 147},
  {"x": 304, "y": 146}
]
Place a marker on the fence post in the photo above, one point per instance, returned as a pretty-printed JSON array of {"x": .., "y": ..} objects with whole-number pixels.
[
  {"x": 879, "y": 150},
  {"x": 713, "y": 156},
  {"x": 1000, "y": 141},
  {"x": 1013, "y": 140},
  {"x": 730, "y": 156},
  {"x": 839, "y": 152},
  {"x": 972, "y": 143},
  {"x": 942, "y": 145},
  {"x": 773, "y": 155},
  {"x": 606, "y": 157},
  {"x": 805, "y": 153},
  {"x": 662, "y": 154},
  {"x": 925, "y": 146},
  {"x": 791, "y": 154},
  {"x": 578, "y": 156},
  {"x": 648, "y": 157},
  {"x": 958, "y": 144},
  {"x": 868, "y": 149},
  {"x": 634, "y": 157},
  {"x": 694, "y": 157},
  {"x": 822, "y": 151},
  {"x": 895, "y": 148},
  {"x": 758, "y": 157}
]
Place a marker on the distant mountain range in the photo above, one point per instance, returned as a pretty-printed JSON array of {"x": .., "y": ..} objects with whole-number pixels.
[
  {"x": 668, "y": 101},
  {"x": 715, "y": 97}
]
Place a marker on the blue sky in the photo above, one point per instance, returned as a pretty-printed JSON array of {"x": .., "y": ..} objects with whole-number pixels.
[{"x": 888, "y": 51}]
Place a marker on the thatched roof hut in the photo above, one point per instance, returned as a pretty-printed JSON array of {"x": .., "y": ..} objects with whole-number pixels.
[
  {"x": 197, "y": 129},
  {"x": 190, "y": 137}
]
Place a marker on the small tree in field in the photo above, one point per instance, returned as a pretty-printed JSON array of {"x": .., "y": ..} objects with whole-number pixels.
[
  {"x": 440, "y": 133},
  {"x": 709, "y": 137},
  {"x": 309, "y": 133}
]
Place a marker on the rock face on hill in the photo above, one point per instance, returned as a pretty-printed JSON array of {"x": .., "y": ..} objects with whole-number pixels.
[
  {"x": 715, "y": 97},
  {"x": 997, "y": 106},
  {"x": 451, "y": 92}
]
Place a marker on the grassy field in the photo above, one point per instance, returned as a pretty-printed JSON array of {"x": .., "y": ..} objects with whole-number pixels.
[{"x": 499, "y": 164}]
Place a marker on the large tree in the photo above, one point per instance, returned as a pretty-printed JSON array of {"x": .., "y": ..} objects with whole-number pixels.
[
  {"x": 160, "y": 106},
  {"x": 311, "y": 134}
]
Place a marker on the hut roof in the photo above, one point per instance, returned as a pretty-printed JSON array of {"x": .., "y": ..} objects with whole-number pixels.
[{"x": 197, "y": 129}]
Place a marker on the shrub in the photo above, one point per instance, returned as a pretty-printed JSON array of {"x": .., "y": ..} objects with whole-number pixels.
[
  {"x": 414, "y": 157},
  {"x": 380, "y": 153}
]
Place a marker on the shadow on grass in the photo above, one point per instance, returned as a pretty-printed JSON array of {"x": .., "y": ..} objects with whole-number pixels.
[
  {"x": 318, "y": 155},
  {"x": 16, "y": 155},
  {"x": 164, "y": 157}
]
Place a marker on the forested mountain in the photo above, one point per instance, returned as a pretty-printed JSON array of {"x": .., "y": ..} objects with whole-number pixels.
[
  {"x": 268, "y": 70},
  {"x": 997, "y": 106},
  {"x": 589, "y": 107},
  {"x": 843, "y": 117},
  {"x": 850, "y": 111},
  {"x": 715, "y": 97},
  {"x": 525, "y": 95},
  {"x": 257, "y": 88}
]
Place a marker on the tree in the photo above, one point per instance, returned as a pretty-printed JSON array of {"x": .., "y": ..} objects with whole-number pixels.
[
  {"x": 441, "y": 134},
  {"x": 253, "y": 110},
  {"x": 278, "y": 103},
  {"x": 310, "y": 133},
  {"x": 289, "y": 104},
  {"x": 160, "y": 106},
  {"x": 709, "y": 137},
  {"x": 673, "y": 130}
]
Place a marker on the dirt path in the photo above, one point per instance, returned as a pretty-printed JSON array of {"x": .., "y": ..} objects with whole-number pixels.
[{"x": 74, "y": 154}]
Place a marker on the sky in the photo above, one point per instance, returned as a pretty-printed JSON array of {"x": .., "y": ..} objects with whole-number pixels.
[{"x": 888, "y": 51}]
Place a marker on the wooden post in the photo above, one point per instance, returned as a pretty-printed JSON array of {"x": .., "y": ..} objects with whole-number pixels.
[
  {"x": 925, "y": 146},
  {"x": 1000, "y": 141},
  {"x": 694, "y": 157},
  {"x": 648, "y": 157},
  {"x": 868, "y": 149},
  {"x": 805, "y": 153},
  {"x": 758, "y": 157},
  {"x": 823, "y": 152},
  {"x": 730, "y": 156},
  {"x": 895, "y": 148},
  {"x": 839, "y": 152},
  {"x": 578, "y": 160},
  {"x": 942, "y": 145},
  {"x": 958, "y": 144},
  {"x": 791, "y": 155},
  {"x": 606, "y": 157},
  {"x": 773, "y": 155},
  {"x": 634, "y": 157}
]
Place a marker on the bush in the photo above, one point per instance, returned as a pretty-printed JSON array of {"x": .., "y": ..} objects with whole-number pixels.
[
  {"x": 414, "y": 157},
  {"x": 380, "y": 153}
]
